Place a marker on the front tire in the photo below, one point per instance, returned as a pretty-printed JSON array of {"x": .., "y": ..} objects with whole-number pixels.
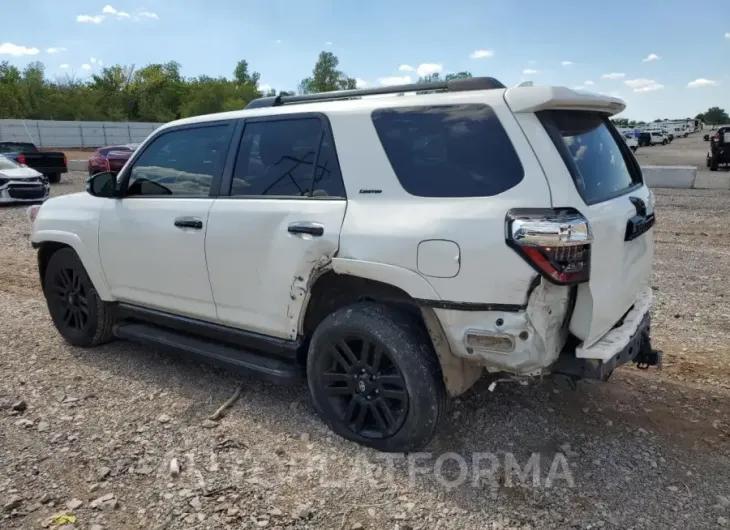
[
  {"x": 375, "y": 379},
  {"x": 80, "y": 316},
  {"x": 664, "y": 142},
  {"x": 714, "y": 163}
]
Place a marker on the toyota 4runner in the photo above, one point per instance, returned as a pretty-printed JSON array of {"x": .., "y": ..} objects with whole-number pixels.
[{"x": 389, "y": 249}]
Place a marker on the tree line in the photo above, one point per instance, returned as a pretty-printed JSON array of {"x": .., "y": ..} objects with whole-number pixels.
[{"x": 155, "y": 93}]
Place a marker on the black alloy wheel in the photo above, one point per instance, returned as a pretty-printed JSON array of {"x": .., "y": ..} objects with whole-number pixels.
[
  {"x": 71, "y": 296},
  {"x": 375, "y": 378},
  {"x": 364, "y": 387},
  {"x": 77, "y": 311}
]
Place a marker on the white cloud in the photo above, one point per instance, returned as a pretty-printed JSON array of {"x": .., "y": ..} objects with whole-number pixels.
[
  {"x": 528, "y": 71},
  {"x": 264, "y": 88},
  {"x": 63, "y": 66},
  {"x": 429, "y": 69},
  {"x": 567, "y": 63},
  {"x": 56, "y": 50},
  {"x": 727, "y": 35},
  {"x": 406, "y": 68},
  {"x": 86, "y": 67},
  {"x": 531, "y": 61},
  {"x": 328, "y": 43},
  {"x": 89, "y": 19},
  {"x": 92, "y": 60},
  {"x": 360, "y": 83},
  {"x": 651, "y": 57},
  {"x": 579, "y": 87},
  {"x": 481, "y": 54},
  {"x": 613, "y": 75},
  {"x": 278, "y": 41},
  {"x": 395, "y": 80},
  {"x": 589, "y": 82},
  {"x": 109, "y": 10},
  {"x": 643, "y": 85},
  {"x": 8, "y": 48},
  {"x": 701, "y": 82}
]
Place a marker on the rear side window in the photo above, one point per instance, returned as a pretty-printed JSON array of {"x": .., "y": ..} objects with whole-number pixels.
[
  {"x": 448, "y": 150},
  {"x": 287, "y": 158},
  {"x": 601, "y": 166}
]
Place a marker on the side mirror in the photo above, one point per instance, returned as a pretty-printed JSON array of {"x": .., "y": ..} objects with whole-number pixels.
[{"x": 102, "y": 185}]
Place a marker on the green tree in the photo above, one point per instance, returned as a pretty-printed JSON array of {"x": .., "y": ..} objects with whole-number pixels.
[
  {"x": 326, "y": 77},
  {"x": 155, "y": 92},
  {"x": 716, "y": 116}
]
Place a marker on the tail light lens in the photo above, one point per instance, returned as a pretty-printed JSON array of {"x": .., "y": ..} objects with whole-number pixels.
[
  {"x": 555, "y": 242},
  {"x": 65, "y": 161},
  {"x": 21, "y": 159}
]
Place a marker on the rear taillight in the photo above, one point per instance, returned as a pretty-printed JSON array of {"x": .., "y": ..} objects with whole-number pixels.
[
  {"x": 65, "y": 161},
  {"x": 555, "y": 242},
  {"x": 21, "y": 159}
]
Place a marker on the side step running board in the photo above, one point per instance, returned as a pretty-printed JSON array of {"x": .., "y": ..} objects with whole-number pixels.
[{"x": 261, "y": 366}]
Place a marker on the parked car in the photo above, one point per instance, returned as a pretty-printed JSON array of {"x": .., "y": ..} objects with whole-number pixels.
[
  {"x": 657, "y": 136},
  {"x": 719, "y": 152},
  {"x": 644, "y": 139},
  {"x": 21, "y": 184},
  {"x": 388, "y": 249},
  {"x": 50, "y": 163},
  {"x": 632, "y": 142},
  {"x": 110, "y": 158}
]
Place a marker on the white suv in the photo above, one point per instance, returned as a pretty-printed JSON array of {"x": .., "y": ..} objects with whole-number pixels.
[{"x": 390, "y": 248}]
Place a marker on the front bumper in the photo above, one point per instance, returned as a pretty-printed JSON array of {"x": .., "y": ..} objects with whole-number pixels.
[{"x": 18, "y": 191}]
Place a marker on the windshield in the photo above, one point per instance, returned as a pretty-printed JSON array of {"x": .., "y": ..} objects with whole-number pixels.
[{"x": 6, "y": 163}]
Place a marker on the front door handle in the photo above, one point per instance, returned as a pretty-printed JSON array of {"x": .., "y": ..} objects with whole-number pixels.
[
  {"x": 189, "y": 222},
  {"x": 306, "y": 227}
]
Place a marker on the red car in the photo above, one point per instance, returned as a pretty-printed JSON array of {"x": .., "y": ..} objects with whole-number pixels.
[{"x": 110, "y": 158}]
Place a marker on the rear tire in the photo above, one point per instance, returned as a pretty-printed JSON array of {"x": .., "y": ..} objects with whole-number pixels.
[
  {"x": 80, "y": 316},
  {"x": 375, "y": 379},
  {"x": 664, "y": 142},
  {"x": 714, "y": 163},
  {"x": 54, "y": 178}
]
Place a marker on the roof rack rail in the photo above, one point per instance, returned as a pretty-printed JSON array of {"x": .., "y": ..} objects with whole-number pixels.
[{"x": 454, "y": 85}]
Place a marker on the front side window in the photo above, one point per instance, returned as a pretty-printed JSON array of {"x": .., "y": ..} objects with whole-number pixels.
[
  {"x": 180, "y": 163},
  {"x": 278, "y": 158}
]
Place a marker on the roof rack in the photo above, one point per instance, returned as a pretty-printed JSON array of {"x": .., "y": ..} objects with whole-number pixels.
[{"x": 454, "y": 85}]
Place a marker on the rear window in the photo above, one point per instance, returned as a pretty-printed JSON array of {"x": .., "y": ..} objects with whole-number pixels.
[
  {"x": 602, "y": 167},
  {"x": 448, "y": 150}
]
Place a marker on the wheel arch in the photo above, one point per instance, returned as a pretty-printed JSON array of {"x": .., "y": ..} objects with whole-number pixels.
[
  {"x": 347, "y": 282},
  {"x": 48, "y": 242}
]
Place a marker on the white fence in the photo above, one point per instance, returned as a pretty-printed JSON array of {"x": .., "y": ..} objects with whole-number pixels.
[{"x": 48, "y": 133}]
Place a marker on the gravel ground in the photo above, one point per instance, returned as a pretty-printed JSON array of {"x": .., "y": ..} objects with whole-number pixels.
[{"x": 92, "y": 434}]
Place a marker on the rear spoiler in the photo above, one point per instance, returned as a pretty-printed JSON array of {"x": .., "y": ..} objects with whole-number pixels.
[{"x": 533, "y": 99}]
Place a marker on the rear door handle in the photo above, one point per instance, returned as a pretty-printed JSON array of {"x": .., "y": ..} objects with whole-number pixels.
[
  {"x": 189, "y": 222},
  {"x": 306, "y": 227}
]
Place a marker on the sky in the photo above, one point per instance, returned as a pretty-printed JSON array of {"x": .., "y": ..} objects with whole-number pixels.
[{"x": 665, "y": 58}]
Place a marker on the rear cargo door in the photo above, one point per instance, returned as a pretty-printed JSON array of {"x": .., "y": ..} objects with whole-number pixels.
[{"x": 590, "y": 168}]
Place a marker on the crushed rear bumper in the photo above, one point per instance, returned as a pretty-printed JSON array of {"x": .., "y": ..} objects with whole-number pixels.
[{"x": 628, "y": 341}]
